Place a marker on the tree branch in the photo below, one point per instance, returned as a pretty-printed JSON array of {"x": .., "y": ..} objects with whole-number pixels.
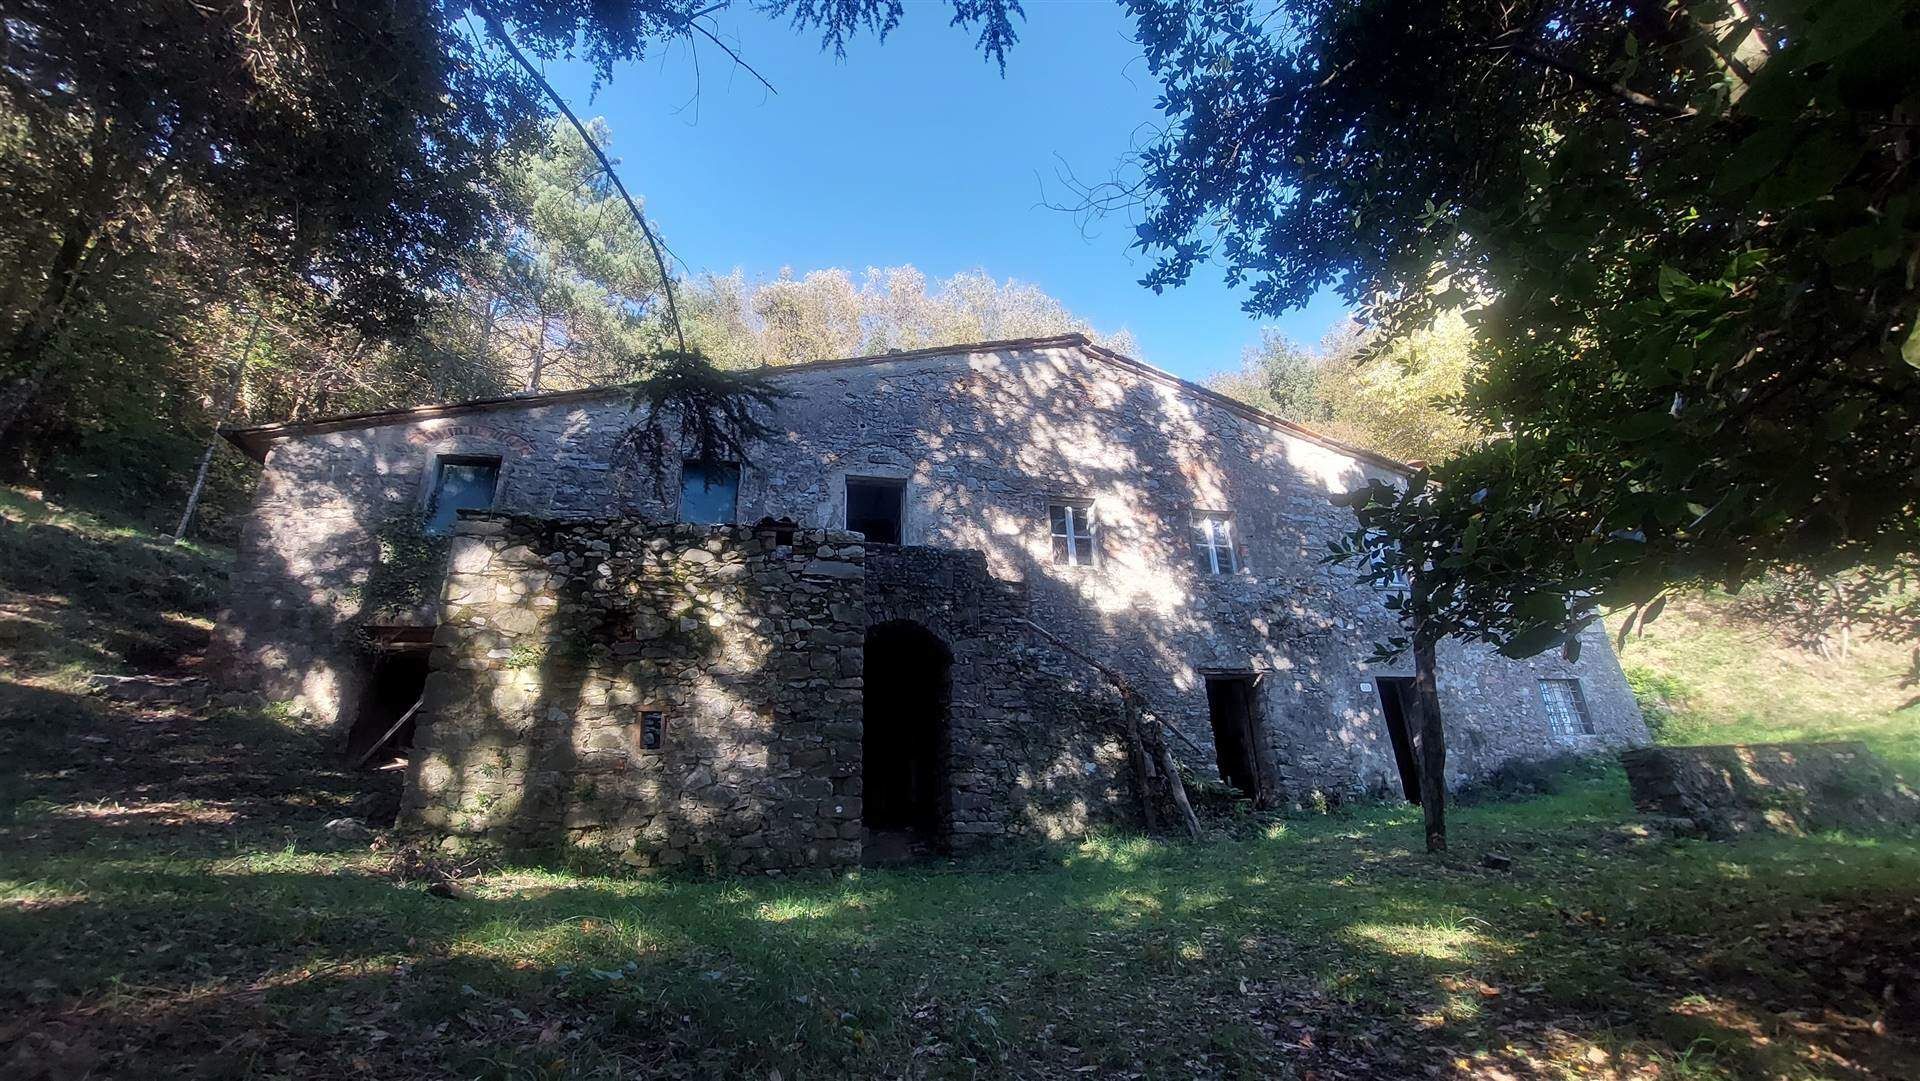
[
  {"x": 499, "y": 31},
  {"x": 1601, "y": 86}
]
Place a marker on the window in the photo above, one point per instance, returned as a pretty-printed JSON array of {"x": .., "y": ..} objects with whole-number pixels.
[
  {"x": 1566, "y": 707},
  {"x": 653, "y": 730},
  {"x": 1397, "y": 582},
  {"x": 461, "y": 484},
  {"x": 1073, "y": 533},
  {"x": 1213, "y": 544},
  {"x": 708, "y": 493},
  {"x": 875, "y": 508}
]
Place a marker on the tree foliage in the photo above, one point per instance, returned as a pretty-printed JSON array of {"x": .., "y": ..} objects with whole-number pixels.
[
  {"x": 825, "y": 314},
  {"x": 1687, "y": 233},
  {"x": 374, "y": 180},
  {"x": 1396, "y": 394}
]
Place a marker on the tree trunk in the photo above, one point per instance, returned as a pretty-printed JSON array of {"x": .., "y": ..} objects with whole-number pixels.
[
  {"x": 1433, "y": 738},
  {"x": 29, "y": 350},
  {"x": 1178, "y": 789},
  {"x": 213, "y": 441},
  {"x": 1137, "y": 753}
]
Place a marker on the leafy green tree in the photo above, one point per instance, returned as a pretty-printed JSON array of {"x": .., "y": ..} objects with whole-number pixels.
[
  {"x": 346, "y": 150},
  {"x": 1392, "y": 393},
  {"x": 825, "y": 314},
  {"x": 1686, "y": 230}
]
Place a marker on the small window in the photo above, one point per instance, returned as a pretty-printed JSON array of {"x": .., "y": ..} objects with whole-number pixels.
[
  {"x": 653, "y": 730},
  {"x": 709, "y": 492},
  {"x": 875, "y": 508},
  {"x": 1397, "y": 581},
  {"x": 461, "y": 484},
  {"x": 1074, "y": 533},
  {"x": 1566, "y": 707},
  {"x": 1213, "y": 551}
]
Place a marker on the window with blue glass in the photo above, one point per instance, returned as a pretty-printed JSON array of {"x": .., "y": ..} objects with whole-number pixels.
[
  {"x": 461, "y": 484},
  {"x": 709, "y": 492}
]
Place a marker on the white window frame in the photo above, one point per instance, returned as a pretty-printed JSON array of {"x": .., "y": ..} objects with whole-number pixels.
[
  {"x": 1082, "y": 523},
  {"x": 1576, "y": 722},
  {"x": 1217, "y": 524}
]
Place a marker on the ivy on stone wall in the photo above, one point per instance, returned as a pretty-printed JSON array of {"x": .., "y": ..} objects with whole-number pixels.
[{"x": 407, "y": 576}]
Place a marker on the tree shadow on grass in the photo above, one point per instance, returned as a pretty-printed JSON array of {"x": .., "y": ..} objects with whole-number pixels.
[{"x": 169, "y": 938}]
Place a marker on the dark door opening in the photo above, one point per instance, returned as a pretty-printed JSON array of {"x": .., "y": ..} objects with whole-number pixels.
[
  {"x": 875, "y": 508},
  {"x": 1397, "y": 702},
  {"x": 904, "y": 732},
  {"x": 1230, "y": 707},
  {"x": 392, "y": 687}
]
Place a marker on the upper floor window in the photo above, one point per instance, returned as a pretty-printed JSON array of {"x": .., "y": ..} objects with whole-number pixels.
[
  {"x": 876, "y": 508},
  {"x": 461, "y": 484},
  {"x": 1566, "y": 707},
  {"x": 1397, "y": 581},
  {"x": 1074, "y": 534},
  {"x": 1213, "y": 551},
  {"x": 709, "y": 493}
]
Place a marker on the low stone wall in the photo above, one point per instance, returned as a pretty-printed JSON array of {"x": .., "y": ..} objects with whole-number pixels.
[
  {"x": 1729, "y": 790},
  {"x": 679, "y": 694}
]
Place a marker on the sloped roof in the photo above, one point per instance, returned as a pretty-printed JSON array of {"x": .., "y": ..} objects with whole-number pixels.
[{"x": 255, "y": 441}]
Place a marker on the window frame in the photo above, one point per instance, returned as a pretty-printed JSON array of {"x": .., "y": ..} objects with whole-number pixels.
[
  {"x": 897, "y": 484},
  {"x": 437, "y": 484},
  {"x": 1075, "y": 508},
  {"x": 1577, "y": 699},
  {"x": 680, "y": 509},
  {"x": 1213, "y": 518}
]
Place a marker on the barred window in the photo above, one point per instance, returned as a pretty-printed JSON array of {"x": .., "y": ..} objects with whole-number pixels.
[
  {"x": 1566, "y": 707},
  {"x": 1074, "y": 533}
]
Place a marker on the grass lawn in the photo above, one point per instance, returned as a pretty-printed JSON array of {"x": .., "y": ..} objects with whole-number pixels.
[
  {"x": 171, "y": 904},
  {"x": 1711, "y": 678}
]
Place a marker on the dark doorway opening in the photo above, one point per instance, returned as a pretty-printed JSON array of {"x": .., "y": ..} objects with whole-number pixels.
[
  {"x": 393, "y": 685},
  {"x": 905, "y": 739},
  {"x": 1230, "y": 707},
  {"x": 1397, "y": 702},
  {"x": 875, "y": 508}
]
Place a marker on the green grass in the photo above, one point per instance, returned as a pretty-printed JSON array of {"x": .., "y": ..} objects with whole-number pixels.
[
  {"x": 80, "y": 593},
  {"x": 211, "y": 927},
  {"x": 1707, "y": 677},
  {"x": 172, "y": 905}
]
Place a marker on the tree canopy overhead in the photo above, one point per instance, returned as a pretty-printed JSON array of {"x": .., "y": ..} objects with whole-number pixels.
[{"x": 1687, "y": 232}]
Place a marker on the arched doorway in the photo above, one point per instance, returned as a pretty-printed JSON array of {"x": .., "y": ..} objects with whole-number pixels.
[{"x": 905, "y": 743}]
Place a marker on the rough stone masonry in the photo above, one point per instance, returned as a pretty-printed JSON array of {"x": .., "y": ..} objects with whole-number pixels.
[
  {"x": 691, "y": 696},
  {"x": 1171, "y": 533}
]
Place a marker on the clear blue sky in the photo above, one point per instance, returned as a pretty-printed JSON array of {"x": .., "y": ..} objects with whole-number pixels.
[{"x": 917, "y": 151}]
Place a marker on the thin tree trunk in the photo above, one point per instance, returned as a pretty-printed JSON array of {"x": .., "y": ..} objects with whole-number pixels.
[
  {"x": 213, "y": 441},
  {"x": 1137, "y": 752},
  {"x": 1178, "y": 790},
  {"x": 539, "y": 361},
  {"x": 1433, "y": 738}
]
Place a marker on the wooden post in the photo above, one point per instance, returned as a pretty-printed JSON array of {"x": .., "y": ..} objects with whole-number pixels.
[{"x": 1433, "y": 738}]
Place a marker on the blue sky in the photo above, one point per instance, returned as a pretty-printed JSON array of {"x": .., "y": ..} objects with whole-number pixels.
[{"x": 917, "y": 151}]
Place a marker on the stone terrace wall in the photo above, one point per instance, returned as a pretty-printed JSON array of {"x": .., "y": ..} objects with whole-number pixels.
[
  {"x": 1782, "y": 787},
  {"x": 1035, "y": 748},
  {"x": 558, "y": 636}
]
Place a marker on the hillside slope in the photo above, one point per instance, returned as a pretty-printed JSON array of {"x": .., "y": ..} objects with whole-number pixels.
[{"x": 1705, "y": 676}]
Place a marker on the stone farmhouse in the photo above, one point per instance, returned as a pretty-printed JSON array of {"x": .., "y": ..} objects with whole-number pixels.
[{"x": 875, "y": 627}]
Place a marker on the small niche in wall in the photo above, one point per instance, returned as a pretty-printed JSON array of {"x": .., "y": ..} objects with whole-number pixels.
[{"x": 652, "y": 732}]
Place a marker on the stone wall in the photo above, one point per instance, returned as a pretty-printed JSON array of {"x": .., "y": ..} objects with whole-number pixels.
[
  {"x": 559, "y": 637},
  {"x": 557, "y": 641},
  {"x": 1035, "y": 750},
  {"x": 982, "y": 440},
  {"x": 1726, "y": 791}
]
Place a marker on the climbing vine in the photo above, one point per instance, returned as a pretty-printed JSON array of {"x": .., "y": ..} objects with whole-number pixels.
[{"x": 408, "y": 573}]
